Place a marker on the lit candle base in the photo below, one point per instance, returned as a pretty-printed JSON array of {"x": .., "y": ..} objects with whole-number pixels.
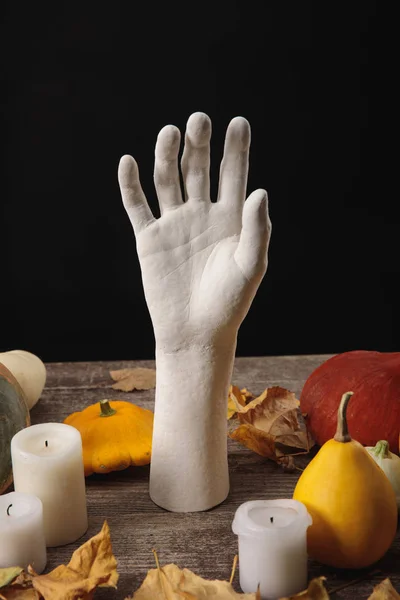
[
  {"x": 22, "y": 541},
  {"x": 47, "y": 462},
  {"x": 272, "y": 547}
]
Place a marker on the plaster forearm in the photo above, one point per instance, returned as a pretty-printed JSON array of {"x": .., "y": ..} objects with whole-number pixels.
[
  {"x": 202, "y": 263},
  {"x": 189, "y": 468}
]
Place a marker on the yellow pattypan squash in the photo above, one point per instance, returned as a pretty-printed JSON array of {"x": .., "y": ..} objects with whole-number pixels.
[{"x": 115, "y": 435}]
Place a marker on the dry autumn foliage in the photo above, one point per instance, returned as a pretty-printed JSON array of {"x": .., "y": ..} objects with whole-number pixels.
[
  {"x": 315, "y": 591},
  {"x": 237, "y": 397},
  {"x": 139, "y": 378},
  {"x": 92, "y": 565},
  {"x": 8, "y": 574},
  {"x": 172, "y": 583},
  {"x": 384, "y": 591},
  {"x": 271, "y": 424}
]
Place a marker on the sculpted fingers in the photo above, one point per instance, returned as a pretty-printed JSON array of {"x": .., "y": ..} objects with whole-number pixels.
[
  {"x": 196, "y": 157},
  {"x": 134, "y": 200},
  {"x": 166, "y": 173},
  {"x": 235, "y": 162},
  {"x": 252, "y": 252}
]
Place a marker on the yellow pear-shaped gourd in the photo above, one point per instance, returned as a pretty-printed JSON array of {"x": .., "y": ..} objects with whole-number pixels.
[{"x": 351, "y": 501}]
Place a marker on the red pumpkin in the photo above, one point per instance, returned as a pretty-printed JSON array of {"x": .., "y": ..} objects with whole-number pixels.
[{"x": 374, "y": 411}]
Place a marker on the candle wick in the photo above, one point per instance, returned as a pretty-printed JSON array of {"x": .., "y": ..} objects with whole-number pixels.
[
  {"x": 271, "y": 519},
  {"x": 8, "y": 510},
  {"x": 46, "y": 443}
]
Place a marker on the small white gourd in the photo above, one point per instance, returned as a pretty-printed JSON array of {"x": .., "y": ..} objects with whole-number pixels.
[
  {"x": 28, "y": 370},
  {"x": 389, "y": 463}
]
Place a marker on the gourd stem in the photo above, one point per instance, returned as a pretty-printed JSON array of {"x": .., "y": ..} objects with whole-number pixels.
[
  {"x": 106, "y": 410},
  {"x": 342, "y": 432},
  {"x": 381, "y": 449}
]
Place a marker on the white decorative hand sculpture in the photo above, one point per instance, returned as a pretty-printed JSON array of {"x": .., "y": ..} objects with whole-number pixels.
[{"x": 201, "y": 265}]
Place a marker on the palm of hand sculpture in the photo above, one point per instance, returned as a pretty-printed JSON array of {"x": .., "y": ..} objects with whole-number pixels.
[{"x": 201, "y": 263}]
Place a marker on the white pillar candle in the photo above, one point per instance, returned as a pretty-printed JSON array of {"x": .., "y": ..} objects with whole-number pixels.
[
  {"x": 47, "y": 462},
  {"x": 272, "y": 537},
  {"x": 22, "y": 540}
]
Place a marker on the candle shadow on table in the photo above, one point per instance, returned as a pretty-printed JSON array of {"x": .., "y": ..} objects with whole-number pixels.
[{"x": 128, "y": 475}]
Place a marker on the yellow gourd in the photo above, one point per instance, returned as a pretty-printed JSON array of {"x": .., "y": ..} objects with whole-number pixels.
[
  {"x": 351, "y": 501},
  {"x": 115, "y": 435}
]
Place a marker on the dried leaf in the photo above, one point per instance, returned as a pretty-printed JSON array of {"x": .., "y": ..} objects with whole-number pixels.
[
  {"x": 172, "y": 583},
  {"x": 247, "y": 394},
  {"x": 315, "y": 591},
  {"x": 384, "y": 591},
  {"x": 272, "y": 426},
  {"x": 236, "y": 400},
  {"x": 24, "y": 579},
  {"x": 92, "y": 564},
  {"x": 138, "y": 378},
  {"x": 275, "y": 411},
  {"x": 20, "y": 589},
  {"x": 262, "y": 443},
  {"x": 8, "y": 574},
  {"x": 255, "y": 439},
  {"x": 95, "y": 558},
  {"x": 12, "y": 592}
]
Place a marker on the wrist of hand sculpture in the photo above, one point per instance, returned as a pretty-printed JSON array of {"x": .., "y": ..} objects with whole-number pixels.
[{"x": 201, "y": 264}]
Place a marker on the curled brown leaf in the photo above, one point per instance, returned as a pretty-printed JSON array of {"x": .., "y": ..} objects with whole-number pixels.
[{"x": 272, "y": 426}]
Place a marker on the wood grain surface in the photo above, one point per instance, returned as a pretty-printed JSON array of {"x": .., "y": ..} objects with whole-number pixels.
[{"x": 203, "y": 542}]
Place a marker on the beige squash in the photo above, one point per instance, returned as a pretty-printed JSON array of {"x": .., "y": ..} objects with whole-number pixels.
[{"x": 28, "y": 370}]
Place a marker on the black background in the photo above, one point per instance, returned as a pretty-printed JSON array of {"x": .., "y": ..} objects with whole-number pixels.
[{"x": 86, "y": 85}]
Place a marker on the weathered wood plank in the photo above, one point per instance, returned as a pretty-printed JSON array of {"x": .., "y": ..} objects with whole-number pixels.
[{"x": 203, "y": 542}]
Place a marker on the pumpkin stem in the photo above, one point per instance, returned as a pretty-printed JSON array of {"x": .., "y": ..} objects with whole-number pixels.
[
  {"x": 342, "y": 431},
  {"x": 106, "y": 410},
  {"x": 381, "y": 449}
]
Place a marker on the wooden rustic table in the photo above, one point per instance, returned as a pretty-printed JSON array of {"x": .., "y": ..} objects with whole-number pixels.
[{"x": 203, "y": 542}]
